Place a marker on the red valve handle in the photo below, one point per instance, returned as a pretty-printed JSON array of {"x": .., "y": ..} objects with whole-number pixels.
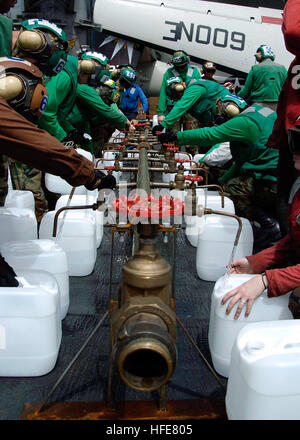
[
  {"x": 120, "y": 146},
  {"x": 194, "y": 178},
  {"x": 110, "y": 168},
  {"x": 182, "y": 160},
  {"x": 141, "y": 124},
  {"x": 148, "y": 207}
]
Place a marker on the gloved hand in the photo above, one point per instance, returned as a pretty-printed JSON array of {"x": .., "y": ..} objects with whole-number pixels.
[
  {"x": 101, "y": 181},
  {"x": 77, "y": 137},
  {"x": 166, "y": 138},
  {"x": 7, "y": 275},
  {"x": 156, "y": 128}
]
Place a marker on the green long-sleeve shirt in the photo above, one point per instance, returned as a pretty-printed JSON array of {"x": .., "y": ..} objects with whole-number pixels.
[
  {"x": 264, "y": 82},
  {"x": 6, "y": 27},
  {"x": 62, "y": 94},
  {"x": 248, "y": 134},
  {"x": 164, "y": 100},
  {"x": 199, "y": 99},
  {"x": 90, "y": 107}
]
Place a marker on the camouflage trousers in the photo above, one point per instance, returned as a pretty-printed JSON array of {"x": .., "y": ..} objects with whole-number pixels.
[
  {"x": 27, "y": 178},
  {"x": 3, "y": 179},
  {"x": 250, "y": 195}
]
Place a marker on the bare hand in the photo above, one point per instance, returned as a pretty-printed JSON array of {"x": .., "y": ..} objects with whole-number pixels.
[
  {"x": 246, "y": 293},
  {"x": 241, "y": 265}
]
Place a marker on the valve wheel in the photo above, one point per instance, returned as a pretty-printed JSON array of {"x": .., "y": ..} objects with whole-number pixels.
[
  {"x": 194, "y": 178},
  {"x": 148, "y": 207}
]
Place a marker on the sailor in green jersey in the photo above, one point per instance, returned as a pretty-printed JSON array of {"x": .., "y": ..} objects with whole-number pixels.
[
  {"x": 197, "y": 98},
  {"x": 90, "y": 110},
  {"x": 6, "y": 28},
  {"x": 265, "y": 80},
  {"x": 251, "y": 182},
  {"x": 185, "y": 71},
  {"x": 69, "y": 87}
]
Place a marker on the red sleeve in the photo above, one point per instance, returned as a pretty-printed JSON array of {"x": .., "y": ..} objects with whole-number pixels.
[
  {"x": 23, "y": 141},
  {"x": 288, "y": 107},
  {"x": 272, "y": 256},
  {"x": 291, "y": 26},
  {"x": 281, "y": 281}
]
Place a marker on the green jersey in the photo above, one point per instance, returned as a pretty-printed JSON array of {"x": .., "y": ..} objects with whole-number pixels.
[
  {"x": 62, "y": 90},
  {"x": 6, "y": 28},
  {"x": 90, "y": 107},
  {"x": 264, "y": 82},
  {"x": 164, "y": 100},
  {"x": 199, "y": 99},
  {"x": 248, "y": 134}
]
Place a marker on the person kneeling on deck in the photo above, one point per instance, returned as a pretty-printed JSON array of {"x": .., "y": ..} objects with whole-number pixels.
[{"x": 251, "y": 182}]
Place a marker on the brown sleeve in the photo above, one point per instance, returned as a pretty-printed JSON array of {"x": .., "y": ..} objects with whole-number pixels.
[{"x": 23, "y": 141}]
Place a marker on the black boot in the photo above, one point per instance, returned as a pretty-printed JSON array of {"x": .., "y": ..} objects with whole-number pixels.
[
  {"x": 266, "y": 230},
  {"x": 7, "y": 275}
]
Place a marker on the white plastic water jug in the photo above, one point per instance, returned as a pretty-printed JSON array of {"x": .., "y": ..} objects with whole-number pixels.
[
  {"x": 76, "y": 235},
  {"x": 30, "y": 326},
  {"x": 223, "y": 329},
  {"x": 109, "y": 163},
  {"x": 20, "y": 199},
  {"x": 208, "y": 199},
  {"x": 17, "y": 224},
  {"x": 60, "y": 186},
  {"x": 216, "y": 244},
  {"x": 170, "y": 177},
  {"x": 263, "y": 378},
  {"x": 79, "y": 200},
  {"x": 41, "y": 255}
]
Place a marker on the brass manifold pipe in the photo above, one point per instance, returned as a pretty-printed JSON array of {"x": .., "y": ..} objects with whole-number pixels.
[{"x": 143, "y": 326}]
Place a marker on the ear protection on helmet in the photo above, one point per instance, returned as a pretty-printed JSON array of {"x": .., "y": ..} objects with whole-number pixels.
[
  {"x": 22, "y": 85},
  {"x": 87, "y": 67},
  {"x": 175, "y": 87},
  {"x": 45, "y": 41},
  {"x": 228, "y": 107},
  {"x": 108, "y": 92}
]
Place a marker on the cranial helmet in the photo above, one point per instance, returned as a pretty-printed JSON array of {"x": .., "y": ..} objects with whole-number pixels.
[
  {"x": 44, "y": 41},
  {"x": 180, "y": 59},
  {"x": 263, "y": 52},
  {"x": 228, "y": 107},
  {"x": 127, "y": 77},
  {"x": 175, "y": 87},
  {"x": 209, "y": 67},
  {"x": 108, "y": 92},
  {"x": 93, "y": 64},
  {"x": 22, "y": 86}
]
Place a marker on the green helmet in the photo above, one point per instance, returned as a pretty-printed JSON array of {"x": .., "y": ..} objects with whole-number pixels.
[
  {"x": 263, "y": 52},
  {"x": 96, "y": 77},
  {"x": 175, "y": 87},
  {"x": 228, "y": 107},
  {"x": 108, "y": 92},
  {"x": 180, "y": 59},
  {"x": 97, "y": 56},
  {"x": 51, "y": 53},
  {"x": 127, "y": 77}
]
